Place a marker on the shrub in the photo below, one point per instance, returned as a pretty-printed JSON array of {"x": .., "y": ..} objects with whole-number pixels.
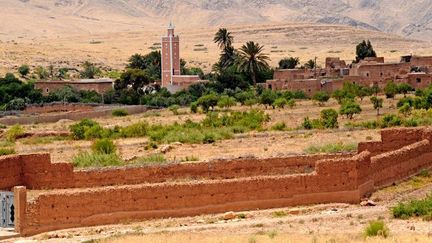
[
  {"x": 174, "y": 109},
  {"x": 280, "y": 103},
  {"x": 226, "y": 102},
  {"x": 24, "y": 70},
  {"x": 307, "y": 124},
  {"x": 104, "y": 146},
  {"x": 329, "y": 118},
  {"x": 391, "y": 120},
  {"x": 17, "y": 104},
  {"x": 208, "y": 102},
  {"x": 120, "y": 112},
  {"x": 291, "y": 103},
  {"x": 280, "y": 126},
  {"x": 209, "y": 138},
  {"x": 268, "y": 97},
  {"x": 78, "y": 130},
  {"x": 139, "y": 129},
  {"x": 279, "y": 214},
  {"x": 391, "y": 89},
  {"x": 14, "y": 132},
  {"x": 86, "y": 159},
  {"x": 331, "y": 148},
  {"x": 377, "y": 228},
  {"x": 151, "y": 159},
  {"x": 404, "y": 88},
  {"x": 321, "y": 97},
  {"x": 6, "y": 151},
  {"x": 194, "y": 107},
  {"x": 414, "y": 208},
  {"x": 251, "y": 102}
]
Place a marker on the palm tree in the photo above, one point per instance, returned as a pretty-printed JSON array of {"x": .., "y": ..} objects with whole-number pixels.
[
  {"x": 251, "y": 59},
  {"x": 227, "y": 57},
  {"x": 223, "y": 38}
]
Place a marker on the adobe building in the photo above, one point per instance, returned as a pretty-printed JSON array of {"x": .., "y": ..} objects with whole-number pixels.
[
  {"x": 99, "y": 85},
  {"x": 171, "y": 73},
  {"x": 413, "y": 70}
]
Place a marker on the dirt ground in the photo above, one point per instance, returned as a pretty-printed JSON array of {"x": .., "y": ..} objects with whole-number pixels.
[{"x": 258, "y": 144}]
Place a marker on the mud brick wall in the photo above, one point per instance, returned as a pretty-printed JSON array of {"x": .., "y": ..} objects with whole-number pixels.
[
  {"x": 86, "y": 207},
  {"x": 123, "y": 194},
  {"x": 10, "y": 172},
  {"x": 46, "y": 118},
  {"x": 37, "y": 172}
]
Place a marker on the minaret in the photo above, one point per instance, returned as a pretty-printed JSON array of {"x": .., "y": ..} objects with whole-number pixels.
[{"x": 170, "y": 57}]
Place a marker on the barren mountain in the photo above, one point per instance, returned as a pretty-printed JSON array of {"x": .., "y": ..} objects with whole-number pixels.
[{"x": 411, "y": 18}]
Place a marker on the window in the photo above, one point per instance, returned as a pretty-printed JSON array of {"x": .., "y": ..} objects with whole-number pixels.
[
  {"x": 47, "y": 90},
  {"x": 418, "y": 80},
  {"x": 367, "y": 74},
  {"x": 382, "y": 74}
]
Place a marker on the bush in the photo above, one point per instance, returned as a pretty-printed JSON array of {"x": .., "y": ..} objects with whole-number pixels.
[
  {"x": 321, "y": 97},
  {"x": 208, "y": 102},
  {"x": 280, "y": 126},
  {"x": 268, "y": 97},
  {"x": 78, "y": 130},
  {"x": 174, "y": 109},
  {"x": 151, "y": 159},
  {"x": 414, "y": 208},
  {"x": 329, "y": 118},
  {"x": 307, "y": 124},
  {"x": 331, "y": 148},
  {"x": 209, "y": 138},
  {"x": 377, "y": 228},
  {"x": 24, "y": 70},
  {"x": 280, "y": 103},
  {"x": 391, "y": 120},
  {"x": 104, "y": 146},
  {"x": 226, "y": 102},
  {"x": 194, "y": 107},
  {"x": 17, "y": 104},
  {"x": 120, "y": 112},
  {"x": 6, "y": 151},
  {"x": 139, "y": 129},
  {"x": 14, "y": 132},
  {"x": 391, "y": 89},
  {"x": 86, "y": 159}
]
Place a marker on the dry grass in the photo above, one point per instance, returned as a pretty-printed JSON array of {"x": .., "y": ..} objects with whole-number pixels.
[{"x": 263, "y": 238}]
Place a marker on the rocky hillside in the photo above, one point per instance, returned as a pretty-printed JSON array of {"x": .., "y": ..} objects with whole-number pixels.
[{"x": 410, "y": 18}]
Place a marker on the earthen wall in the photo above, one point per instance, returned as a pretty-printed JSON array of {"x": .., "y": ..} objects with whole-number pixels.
[{"x": 124, "y": 194}]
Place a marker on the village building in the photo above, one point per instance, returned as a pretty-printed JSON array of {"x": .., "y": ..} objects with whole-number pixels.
[
  {"x": 413, "y": 70},
  {"x": 99, "y": 85},
  {"x": 171, "y": 72}
]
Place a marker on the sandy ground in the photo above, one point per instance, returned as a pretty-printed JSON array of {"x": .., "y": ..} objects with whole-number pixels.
[{"x": 112, "y": 50}]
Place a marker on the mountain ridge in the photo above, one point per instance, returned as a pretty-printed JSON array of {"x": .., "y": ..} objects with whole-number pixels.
[{"x": 408, "y": 18}]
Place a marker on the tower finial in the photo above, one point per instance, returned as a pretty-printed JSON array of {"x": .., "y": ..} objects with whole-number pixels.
[{"x": 171, "y": 26}]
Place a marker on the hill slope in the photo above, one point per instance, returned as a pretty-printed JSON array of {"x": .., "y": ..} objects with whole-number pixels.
[{"x": 411, "y": 18}]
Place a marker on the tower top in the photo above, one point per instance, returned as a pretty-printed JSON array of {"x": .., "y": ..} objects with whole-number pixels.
[{"x": 171, "y": 26}]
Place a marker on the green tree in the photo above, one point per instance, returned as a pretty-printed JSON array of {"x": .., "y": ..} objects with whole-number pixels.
[
  {"x": 390, "y": 90},
  {"x": 24, "y": 70},
  {"x": 89, "y": 70},
  {"x": 311, "y": 64},
  {"x": 252, "y": 60},
  {"x": 405, "y": 109},
  {"x": 135, "y": 78},
  {"x": 349, "y": 108},
  {"x": 321, "y": 97},
  {"x": 404, "y": 88},
  {"x": 377, "y": 103},
  {"x": 150, "y": 62},
  {"x": 289, "y": 63},
  {"x": 329, "y": 118},
  {"x": 363, "y": 50},
  {"x": 268, "y": 97},
  {"x": 226, "y": 102},
  {"x": 208, "y": 102},
  {"x": 223, "y": 38}
]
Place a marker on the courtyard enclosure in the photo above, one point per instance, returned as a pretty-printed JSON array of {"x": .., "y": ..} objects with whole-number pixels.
[{"x": 54, "y": 196}]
